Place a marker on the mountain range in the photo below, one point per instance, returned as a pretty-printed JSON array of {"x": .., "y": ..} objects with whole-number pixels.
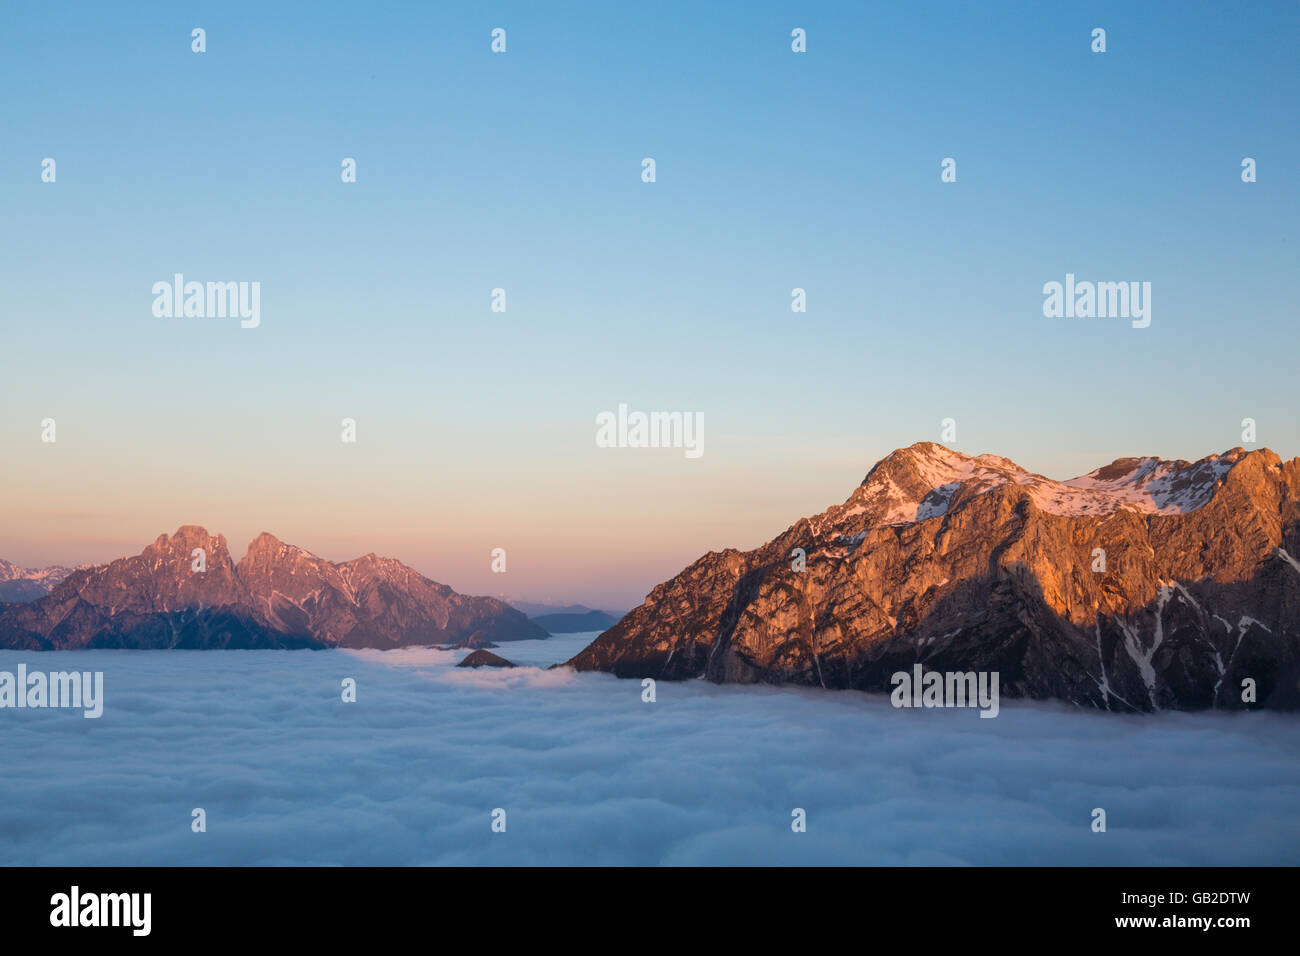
[
  {"x": 576, "y": 622},
  {"x": 28, "y": 584},
  {"x": 277, "y": 596},
  {"x": 1144, "y": 585}
]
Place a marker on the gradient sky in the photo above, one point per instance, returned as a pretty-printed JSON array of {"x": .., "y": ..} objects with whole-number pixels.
[{"x": 475, "y": 170}]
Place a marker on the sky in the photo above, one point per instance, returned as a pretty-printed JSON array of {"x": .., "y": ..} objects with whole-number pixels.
[
  {"x": 587, "y": 773},
  {"x": 522, "y": 170}
]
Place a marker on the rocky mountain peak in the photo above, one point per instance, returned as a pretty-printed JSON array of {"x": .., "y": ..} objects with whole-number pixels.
[
  {"x": 186, "y": 538},
  {"x": 924, "y": 480},
  {"x": 1142, "y": 585},
  {"x": 267, "y": 551},
  {"x": 265, "y": 543},
  {"x": 279, "y": 595}
]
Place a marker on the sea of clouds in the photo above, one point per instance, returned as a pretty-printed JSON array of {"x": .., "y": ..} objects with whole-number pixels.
[{"x": 589, "y": 774}]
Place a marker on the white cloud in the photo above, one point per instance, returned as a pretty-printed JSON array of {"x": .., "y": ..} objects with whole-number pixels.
[{"x": 587, "y": 773}]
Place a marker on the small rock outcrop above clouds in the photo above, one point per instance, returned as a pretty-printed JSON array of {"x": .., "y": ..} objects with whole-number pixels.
[
  {"x": 277, "y": 596},
  {"x": 481, "y": 658},
  {"x": 1146, "y": 584}
]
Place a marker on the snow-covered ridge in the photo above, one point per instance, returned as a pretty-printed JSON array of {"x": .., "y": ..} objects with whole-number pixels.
[
  {"x": 919, "y": 482},
  {"x": 47, "y": 577},
  {"x": 1156, "y": 486}
]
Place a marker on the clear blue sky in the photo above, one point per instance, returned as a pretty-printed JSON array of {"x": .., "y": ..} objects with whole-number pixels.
[{"x": 522, "y": 171}]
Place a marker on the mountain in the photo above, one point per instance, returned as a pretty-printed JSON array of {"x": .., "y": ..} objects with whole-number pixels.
[
  {"x": 28, "y": 584},
  {"x": 482, "y": 658},
  {"x": 575, "y": 623},
  {"x": 536, "y": 609},
  {"x": 964, "y": 563},
  {"x": 278, "y": 596}
]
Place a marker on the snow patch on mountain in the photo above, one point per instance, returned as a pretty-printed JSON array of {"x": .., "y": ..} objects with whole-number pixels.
[
  {"x": 47, "y": 577},
  {"x": 921, "y": 482},
  {"x": 1282, "y": 553},
  {"x": 1159, "y": 487}
]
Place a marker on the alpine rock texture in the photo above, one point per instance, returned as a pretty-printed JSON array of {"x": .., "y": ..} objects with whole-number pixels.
[
  {"x": 277, "y": 596},
  {"x": 961, "y": 564}
]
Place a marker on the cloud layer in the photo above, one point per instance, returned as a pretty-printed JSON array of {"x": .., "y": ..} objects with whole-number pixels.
[{"x": 589, "y": 774}]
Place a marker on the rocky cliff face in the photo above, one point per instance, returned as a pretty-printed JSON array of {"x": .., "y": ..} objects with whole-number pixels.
[
  {"x": 963, "y": 564},
  {"x": 278, "y": 596}
]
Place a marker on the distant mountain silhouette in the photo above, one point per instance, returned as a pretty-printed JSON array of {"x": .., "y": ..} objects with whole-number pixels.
[
  {"x": 539, "y": 608},
  {"x": 28, "y": 584},
  {"x": 278, "y": 596},
  {"x": 575, "y": 623}
]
